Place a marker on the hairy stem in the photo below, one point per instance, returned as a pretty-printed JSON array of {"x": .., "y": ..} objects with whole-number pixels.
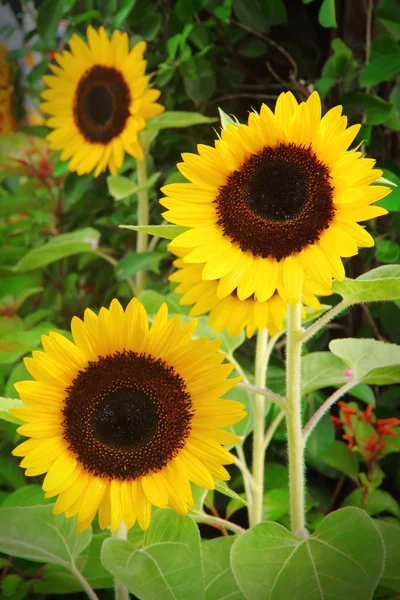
[
  {"x": 322, "y": 321},
  {"x": 120, "y": 589},
  {"x": 142, "y": 219},
  {"x": 317, "y": 416},
  {"x": 201, "y": 517},
  {"x": 261, "y": 365},
  {"x": 261, "y": 391},
  {"x": 293, "y": 418}
]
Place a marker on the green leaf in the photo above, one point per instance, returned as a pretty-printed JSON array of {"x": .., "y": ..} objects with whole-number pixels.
[
  {"x": 343, "y": 559},
  {"x": 387, "y": 251},
  {"x": 37, "y": 72},
  {"x": 392, "y": 202},
  {"x": 222, "y": 488},
  {"x": 275, "y": 475},
  {"x": 75, "y": 186},
  {"x": 87, "y": 16},
  {"x": 170, "y": 119},
  {"x": 168, "y": 565},
  {"x": 168, "y": 232},
  {"x": 219, "y": 580},
  {"x": 381, "y": 68},
  {"x": 120, "y": 16},
  {"x": 376, "y": 502},
  {"x": 199, "y": 78},
  {"x": 377, "y": 285},
  {"x": 49, "y": 16},
  {"x": 34, "y": 533},
  {"x": 343, "y": 459},
  {"x": 62, "y": 246},
  {"x": 373, "y": 362},
  {"x": 327, "y": 14},
  {"x": 28, "y": 495},
  {"x": 376, "y": 109},
  {"x": 58, "y": 580},
  {"x": 5, "y": 405},
  {"x": 275, "y": 504},
  {"x": 261, "y": 15},
  {"x": 122, "y": 187},
  {"x": 390, "y": 533},
  {"x": 320, "y": 370},
  {"x": 134, "y": 262}
]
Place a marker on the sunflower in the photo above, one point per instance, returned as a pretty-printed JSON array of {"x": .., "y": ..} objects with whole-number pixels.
[
  {"x": 229, "y": 312},
  {"x": 276, "y": 201},
  {"x": 99, "y": 99},
  {"x": 126, "y": 416}
]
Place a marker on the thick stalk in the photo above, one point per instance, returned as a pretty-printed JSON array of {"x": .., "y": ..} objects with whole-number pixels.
[
  {"x": 120, "y": 589},
  {"x": 142, "y": 219},
  {"x": 261, "y": 365},
  {"x": 293, "y": 418}
]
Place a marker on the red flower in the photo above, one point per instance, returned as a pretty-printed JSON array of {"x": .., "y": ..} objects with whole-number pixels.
[
  {"x": 349, "y": 439},
  {"x": 367, "y": 414},
  {"x": 347, "y": 412},
  {"x": 384, "y": 426}
]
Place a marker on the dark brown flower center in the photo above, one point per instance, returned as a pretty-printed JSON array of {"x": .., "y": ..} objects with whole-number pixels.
[
  {"x": 277, "y": 203},
  {"x": 101, "y": 104},
  {"x": 126, "y": 415}
]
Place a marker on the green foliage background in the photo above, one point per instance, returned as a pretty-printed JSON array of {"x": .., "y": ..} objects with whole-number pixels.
[{"x": 61, "y": 250}]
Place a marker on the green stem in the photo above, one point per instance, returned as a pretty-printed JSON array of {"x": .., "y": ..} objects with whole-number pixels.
[
  {"x": 142, "y": 219},
  {"x": 120, "y": 589},
  {"x": 322, "y": 321},
  {"x": 84, "y": 583},
  {"x": 261, "y": 365},
  {"x": 317, "y": 416},
  {"x": 293, "y": 418},
  {"x": 272, "y": 428}
]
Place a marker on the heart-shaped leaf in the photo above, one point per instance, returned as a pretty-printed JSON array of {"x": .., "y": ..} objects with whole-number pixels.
[{"x": 343, "y": 559}]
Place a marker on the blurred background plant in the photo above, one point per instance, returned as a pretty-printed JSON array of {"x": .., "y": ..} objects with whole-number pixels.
[{"x": 61, "y": 248}]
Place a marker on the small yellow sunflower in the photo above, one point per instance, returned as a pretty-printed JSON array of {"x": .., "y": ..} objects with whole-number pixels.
[
  {"x": 275, "y": 201},
  {"x": 126, "y": 416},
  {"x": 229, "y": 312},
  {"x": 99, "y": 99}
]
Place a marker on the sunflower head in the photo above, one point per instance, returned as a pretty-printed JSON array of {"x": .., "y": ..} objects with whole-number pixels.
[
  {"x": 99, "y": 99},
  {"x": 126, "y": 416},
  {"x": 228, "y": 312},
  {"x": 276, "y": 202}
]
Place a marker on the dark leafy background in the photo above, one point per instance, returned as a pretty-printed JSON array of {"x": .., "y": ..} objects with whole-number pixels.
[{"x": 204, "y": 54}]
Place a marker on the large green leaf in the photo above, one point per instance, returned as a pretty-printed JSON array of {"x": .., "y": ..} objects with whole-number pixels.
[
  {"x": 219, "y": 580},
  {"x": 65, "y": 244},
  {"x": 343, "y": 559},
  {"x": 377, "y": 285},
  {"x": 373, "y": 362},
  {"x": 170, "y": 119},
  {"x": 168, "y": 565},
  {"x": 56, "y": 579},
  {"x": 320, "y": 370},
  {"x": 34, "y": 533}
]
